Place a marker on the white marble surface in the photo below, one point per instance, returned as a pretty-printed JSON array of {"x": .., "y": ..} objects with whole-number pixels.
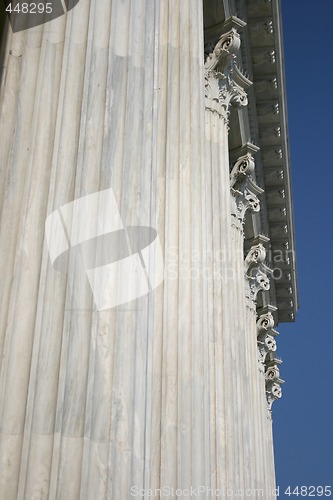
[{"x": 165, "y": 390}]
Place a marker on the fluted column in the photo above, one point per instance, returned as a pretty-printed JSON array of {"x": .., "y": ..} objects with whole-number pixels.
[
  {"x": 257, "y": 280},
  {"x": 243, "y": 198},
  {"x": 184, "y": 435},
  {"x": 231, "y": 380},
  {"x": 257, "y": 452},
  {"x": 116, "y": 96},
  {"x": 94, "y": 402}
]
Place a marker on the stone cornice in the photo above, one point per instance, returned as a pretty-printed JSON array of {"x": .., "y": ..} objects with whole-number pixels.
[
  {"x": 266, "y": 66},
  {"x": 214, "y": 32},
  {"x": 263, "y": 122}
]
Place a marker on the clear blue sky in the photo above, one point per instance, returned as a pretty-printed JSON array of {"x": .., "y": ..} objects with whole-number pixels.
[{"x": 303, "y": 418}]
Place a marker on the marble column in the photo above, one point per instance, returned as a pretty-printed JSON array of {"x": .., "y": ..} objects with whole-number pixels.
[
  {"x": 110, "y": 95},
  {"x": 238, "y": 389},
  {"x": 157, "y": 391},
  {"x": 257, "y": 448},
  {"x": 257, "y": 280},
  {"x": 248, "y": 461}
]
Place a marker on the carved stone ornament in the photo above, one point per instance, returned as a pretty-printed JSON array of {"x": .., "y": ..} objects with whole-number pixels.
[
  {"x": 243, "y": 188},
  {"x": 267, "y": 84},
  {"x": 256, "y": 271},
  {"x": 262, "y": 28},
  {"x": 224, "y": 82},
  {"x": 265, "y": 322},
  {"x": 265, "y": 337},
  {"x": 264, "y": 56},
  {"x": 273, "y": 381},
  {"x": 270, "y": 132},
  {"x": 268, "y": 363},
  {"x": 272, "y": 154}
]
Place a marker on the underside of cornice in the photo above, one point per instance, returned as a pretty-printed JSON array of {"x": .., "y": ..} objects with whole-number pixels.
[
  {"x": 264, "y": 123},
  {"x": 264, "y": 31}
]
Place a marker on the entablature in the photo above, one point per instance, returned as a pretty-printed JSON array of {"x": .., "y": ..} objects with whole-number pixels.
[
  {"x": 266, "y": 67},
  {"x": 263, "y": 122}
]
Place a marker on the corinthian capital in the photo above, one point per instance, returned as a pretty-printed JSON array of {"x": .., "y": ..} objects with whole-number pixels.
[
  {"x": 255, "y": 256},
  {"x": 243, "y": 187},
  {"x": 224, "y": 51},
  {"x": 265, "y": 323},
  {"x": 265, "y": 337},
  {"x": 273, "y": 381},
  {"x": 224, "y": 82},
  {"x": 256, "y": 271}
]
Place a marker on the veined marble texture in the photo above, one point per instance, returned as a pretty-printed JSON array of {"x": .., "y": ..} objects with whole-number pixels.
[{"x": 163, "y": 390}]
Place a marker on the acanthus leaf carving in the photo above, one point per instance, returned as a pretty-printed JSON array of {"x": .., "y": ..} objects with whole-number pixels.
[
  {"x": 268, "y": 362},
  {"x": 256, "y": 271},
  {"x": 265, "y": 322},
  {"x": 265, "y": 337},
  {"x": 243, "y": 187},
  {"x": 255, "y": 256},
  {"x": 242, "y": 168},
  {"x": 273, "y": 381},
  {"x": 224, "y": 51},
  {"x": 224, "y": 81}
]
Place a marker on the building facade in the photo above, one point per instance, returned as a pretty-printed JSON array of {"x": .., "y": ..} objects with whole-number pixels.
[{"x": 146, "y": 248}]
